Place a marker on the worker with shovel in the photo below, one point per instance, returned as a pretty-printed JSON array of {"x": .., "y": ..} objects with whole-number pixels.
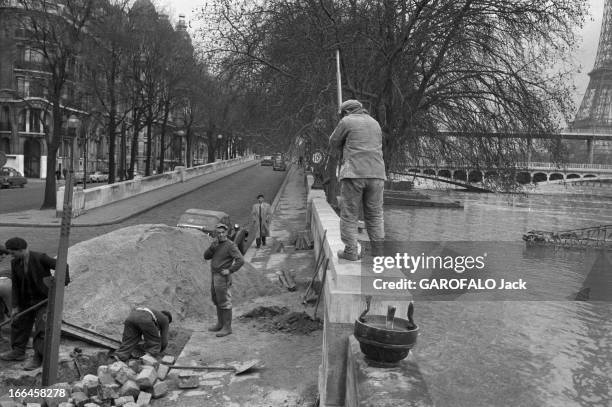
[
  {"x": 225, "y": 259},
  {"x": 30, "y": 275}
]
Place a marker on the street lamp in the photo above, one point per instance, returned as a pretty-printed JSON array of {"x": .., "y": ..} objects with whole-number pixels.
[
  {"x": 181, "y": 134},
  {"x": 72, "y": 125},
  {"x": 219, "y": 138}
]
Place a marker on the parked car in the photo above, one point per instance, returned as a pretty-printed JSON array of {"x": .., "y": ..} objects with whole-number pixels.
[
  {"x": 279, "y": 165},
  {"x": 206, "y": 221},
  {"x": 78, "y": 177},
  {"x": 266, "y": 160},
  {"x": 10, "y": 177},
  {"x": 98, "y": 176}
]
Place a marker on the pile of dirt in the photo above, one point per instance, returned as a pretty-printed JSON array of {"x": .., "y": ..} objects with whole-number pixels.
[
  {"x": 275, "y": 318},
  {"x": 147, "y": 265}
]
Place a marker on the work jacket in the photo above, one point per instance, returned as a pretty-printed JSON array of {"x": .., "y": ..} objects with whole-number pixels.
[
  {"x": 29, "y": 288},
  {"x": 359, "y": 137}
]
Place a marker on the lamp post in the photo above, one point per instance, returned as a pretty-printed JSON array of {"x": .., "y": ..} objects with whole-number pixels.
[
  {"x": 219, "y": 138},
  {"x": 181, "y": 134},
  {"x": 72, "y": 125}
]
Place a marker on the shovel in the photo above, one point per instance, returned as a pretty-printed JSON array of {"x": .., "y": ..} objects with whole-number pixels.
[{"x": 237, "y": 367}]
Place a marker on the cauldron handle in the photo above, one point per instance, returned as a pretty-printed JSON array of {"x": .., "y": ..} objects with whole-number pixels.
[
  {"x": 411, "y": 324},
  {"x": 363, "y": 314}
]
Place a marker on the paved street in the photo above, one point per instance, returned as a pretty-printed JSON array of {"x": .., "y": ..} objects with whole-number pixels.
[
  {"x": 233, "y": 194},
  {"x": 21, "y": 199}
]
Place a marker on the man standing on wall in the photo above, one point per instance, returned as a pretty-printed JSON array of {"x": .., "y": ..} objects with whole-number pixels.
[{"x": 358, "y": 137}]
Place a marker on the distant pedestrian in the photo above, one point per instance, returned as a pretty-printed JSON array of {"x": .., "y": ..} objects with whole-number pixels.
[
  {"x": 301, "y": 161},
  {"x": 30, "y": 275},
  {"x": 149, "y": 325},
  {"x": 225, "y": 259},
  {"x": 58, "y": 174},
  {"x": 358, "y": 137},
  {"x": 261, "y": 213},
  {"x": 65, "y": 172}
]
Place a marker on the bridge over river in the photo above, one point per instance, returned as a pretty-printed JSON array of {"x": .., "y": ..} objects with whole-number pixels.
[{"x": 539, "y": 173}]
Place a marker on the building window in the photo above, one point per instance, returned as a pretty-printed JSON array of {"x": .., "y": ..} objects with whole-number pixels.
[
  {"x": 22, "y": 121},
  {"x": 23, "y": 87},
  {"x": 5, "y": 145},
  {"x": 5, "y": 119},
  {"x": 35, "y": 122}
]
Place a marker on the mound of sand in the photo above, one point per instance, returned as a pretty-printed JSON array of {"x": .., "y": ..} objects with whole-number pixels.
[{"x": 147, "y": 265}]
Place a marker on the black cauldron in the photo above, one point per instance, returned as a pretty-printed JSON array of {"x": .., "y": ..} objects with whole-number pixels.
[{"x": 386, "y": 340}]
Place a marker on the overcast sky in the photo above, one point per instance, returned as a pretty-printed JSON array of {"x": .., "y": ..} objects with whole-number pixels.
[{"x": 585, "y": 54}]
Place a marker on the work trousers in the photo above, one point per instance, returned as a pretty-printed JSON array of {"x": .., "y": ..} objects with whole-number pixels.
[
  {"x": 220, "y": 290},
  {"x": 355, "y": 193},
  {"x": 139, "y": 324},
  {"x": 21, "y": 328}
]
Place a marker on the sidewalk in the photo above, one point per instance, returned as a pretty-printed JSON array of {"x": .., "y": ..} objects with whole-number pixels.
[
  {"x": 289, "y": 377},
  {"x": 120, "y": 210}
]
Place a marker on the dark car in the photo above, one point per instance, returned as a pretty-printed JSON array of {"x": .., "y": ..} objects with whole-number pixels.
[
  {"x": 206, "y": 221},
  {"x": 266, "y": 160},
  {"x": 10, "y": 177},
  {"x": 279, "y": 165}
]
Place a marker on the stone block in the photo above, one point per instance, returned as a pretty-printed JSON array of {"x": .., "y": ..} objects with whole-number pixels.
[
  {"x": 144, "y": 399},
  {"x": 6, "y": 402},
  {"x": 91, "y": 383},
  {"x": 109, "y": 391},
  {"x": 130, "y": 404},
  {"x": 146, "y": 377},
  {"x": 105, "y": 376},
  {"x": 33, "y": 405},
  {"x": 59, "y": 396},
  {"x": 160, "y": 389},
  {"x": 79, "y": 399},
  {"x": 96, "y": 400},
  {"x": 188, "y": 382},
  {"x": 77, "y": 387},
  {"x": 148, "y": 360},
  {"x": 124, "y": 374},
  {"x": 91, "y": 405},
  {"x": 116, "y": 367},
  {"x": 162, "y": 372},
  {"x": 168, "y": 360},
  {"x": 121, "y": 401},
  {"x": 129, "y": 388},
  {"x": 65, "y": 404},
  {"x": 135, "y": 365}
]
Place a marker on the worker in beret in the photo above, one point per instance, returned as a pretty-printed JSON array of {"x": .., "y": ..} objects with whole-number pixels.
[
  {"x": 225, "y": 259},
  {"x": 30, "y": 275},
  {"x": 261, "y": 214}
]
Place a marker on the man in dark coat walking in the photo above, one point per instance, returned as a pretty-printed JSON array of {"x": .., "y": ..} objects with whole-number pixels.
[
  {"x": 148, "y": 324},
  {"x": 225, "y": 259},
  {"x": 30, "y": 275}
]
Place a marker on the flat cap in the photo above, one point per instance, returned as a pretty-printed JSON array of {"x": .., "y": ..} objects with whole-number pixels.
[
  {"x": 16, "y": 243},
  {"x": 221, "y": 226},
  {"x": 351, "y": 105}
]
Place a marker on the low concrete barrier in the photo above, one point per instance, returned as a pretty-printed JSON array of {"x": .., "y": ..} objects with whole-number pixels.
[
  {"x": 90, "y": 198},
  {"x": 344, "y": 300}
]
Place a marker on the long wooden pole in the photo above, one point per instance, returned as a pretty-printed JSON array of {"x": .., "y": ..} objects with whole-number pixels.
[
  {"x": 56, "y": 292},
  {"x": 338, "y": 80}
]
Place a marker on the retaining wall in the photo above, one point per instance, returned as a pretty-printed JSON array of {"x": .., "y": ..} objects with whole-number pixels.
[
  {"x": 344, "y": 300},
  {"x": 83, "y": 200}
]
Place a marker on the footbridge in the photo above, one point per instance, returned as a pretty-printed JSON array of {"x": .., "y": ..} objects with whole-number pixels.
[{"x": 475, "y": 179}]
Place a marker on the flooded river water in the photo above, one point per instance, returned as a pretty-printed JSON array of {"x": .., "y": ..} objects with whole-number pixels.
[{"x": 549, "y": 350}]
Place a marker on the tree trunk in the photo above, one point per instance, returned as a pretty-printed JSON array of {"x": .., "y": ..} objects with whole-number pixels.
[
  {"x": 149, "y": 147},
  {"x": 53, "y": 142},
  {"x": 111, "y": 145}
]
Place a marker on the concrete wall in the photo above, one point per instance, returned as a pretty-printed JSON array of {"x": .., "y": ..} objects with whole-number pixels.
[
  {"x": 90, "y": 198},
  {"x": 343, "y": 297}
]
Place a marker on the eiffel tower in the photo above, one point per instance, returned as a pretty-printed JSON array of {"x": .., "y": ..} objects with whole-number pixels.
[{"x": 595, "y": 112}]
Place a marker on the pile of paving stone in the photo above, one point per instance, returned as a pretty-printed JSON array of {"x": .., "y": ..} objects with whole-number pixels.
[{"x": 132, "y": 384}]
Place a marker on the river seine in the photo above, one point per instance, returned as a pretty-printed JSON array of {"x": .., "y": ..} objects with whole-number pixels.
[{"x": 536, "y": 353}]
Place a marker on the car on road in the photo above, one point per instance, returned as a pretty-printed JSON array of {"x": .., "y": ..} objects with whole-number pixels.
[
  {"x": 206, "y": 221},
  {"x": 279, "y": 165},
  {"x": 266, "y": 160},
  {"x": 98, "y": 176},
  {"x": 10, "y": 177}
]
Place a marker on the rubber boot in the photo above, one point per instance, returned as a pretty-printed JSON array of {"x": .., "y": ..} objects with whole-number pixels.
[
  {"x": 227, "y": 323},
  {"x": 219, "y": 325}
]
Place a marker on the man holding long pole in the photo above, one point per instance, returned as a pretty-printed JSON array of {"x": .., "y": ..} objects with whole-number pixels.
[{"x": 358, "y": 137}]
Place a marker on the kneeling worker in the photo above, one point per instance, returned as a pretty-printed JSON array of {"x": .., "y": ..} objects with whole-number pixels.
[
  {"x": 225, "y": 259},
  {"x": 150, "y": 325}
]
